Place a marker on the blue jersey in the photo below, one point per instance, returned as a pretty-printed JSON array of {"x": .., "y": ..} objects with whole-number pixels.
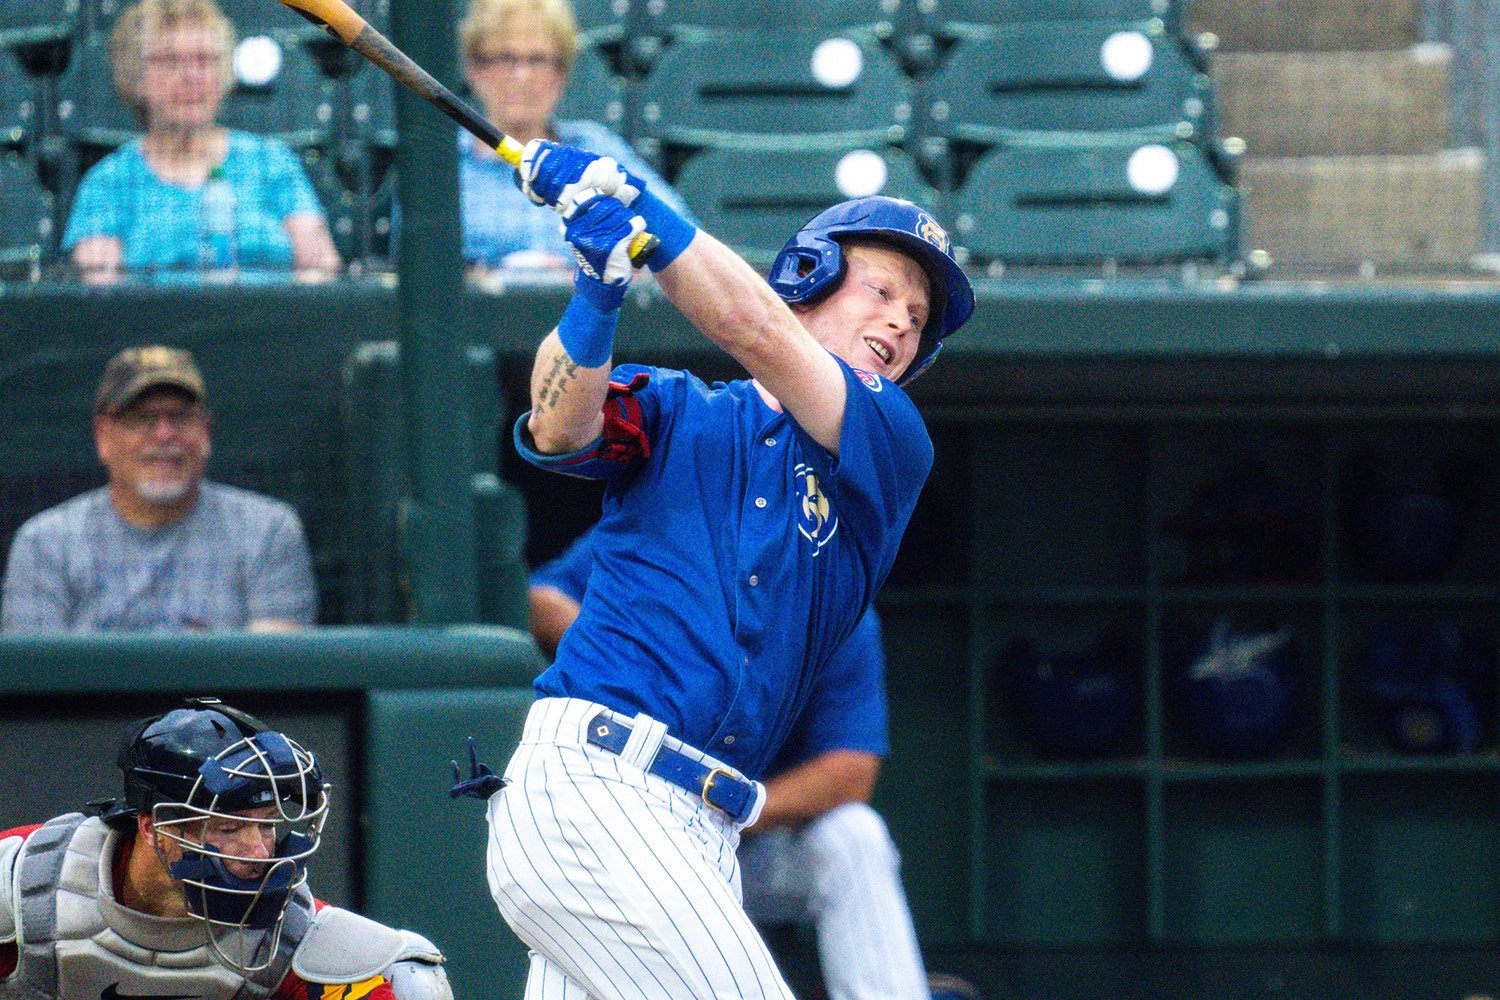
[
  {"x": 846, "y": 709},
  {"x": 734, "y": 554}
]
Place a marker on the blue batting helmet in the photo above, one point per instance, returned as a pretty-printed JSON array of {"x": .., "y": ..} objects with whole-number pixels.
[
  {"x": 1411, "y": 674},
  {"x": 1240, "y": 690},
  {"x": 1074, "y": 705},
  {"x": 812, "y": 262}
]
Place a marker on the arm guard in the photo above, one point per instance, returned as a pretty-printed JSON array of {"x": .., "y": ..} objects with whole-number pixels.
[
  {"x": 10, "y": 850},
  {"x": 344, "y": 947}
]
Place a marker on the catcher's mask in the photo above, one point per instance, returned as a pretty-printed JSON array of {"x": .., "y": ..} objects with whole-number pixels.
[
  {"x": 246, "y": 806},
  {"x": 811, "y": 265}
]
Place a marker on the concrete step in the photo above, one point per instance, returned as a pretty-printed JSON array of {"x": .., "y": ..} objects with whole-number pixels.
[
  {"x": 1308, "y": 25},
  {"x": 1336, "y": 103},
  {"x": 1416, "y": 212}
]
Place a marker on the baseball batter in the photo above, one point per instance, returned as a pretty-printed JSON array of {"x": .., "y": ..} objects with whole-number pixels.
[
  {"x": 746, "y": 528},
  {"x": 818, "y": 853}
]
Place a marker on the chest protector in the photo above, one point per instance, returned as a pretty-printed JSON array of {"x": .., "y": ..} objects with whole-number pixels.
[{"x": 76, "y": 941}]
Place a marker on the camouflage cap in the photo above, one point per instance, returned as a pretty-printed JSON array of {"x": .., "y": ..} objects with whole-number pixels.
[{"x": 137, "y": 369}]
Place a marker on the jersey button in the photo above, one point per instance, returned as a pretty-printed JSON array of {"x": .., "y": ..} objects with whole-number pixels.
[
  {"x": 729, "y": 741},
  {"x": 770, "y": 442},
  {"x": 760, "y": 501},
  {"x": 754, "y": 580}
]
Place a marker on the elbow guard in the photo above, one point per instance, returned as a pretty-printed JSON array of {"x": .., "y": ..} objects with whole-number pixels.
[
  {"x": 419, "y": 979},
  {"x": 344, "y": 947}
]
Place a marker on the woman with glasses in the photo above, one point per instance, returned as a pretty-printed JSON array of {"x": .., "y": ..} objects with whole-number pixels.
[
  {"x": 190, "y": 196},
  {"x": 517, "y": 55}
]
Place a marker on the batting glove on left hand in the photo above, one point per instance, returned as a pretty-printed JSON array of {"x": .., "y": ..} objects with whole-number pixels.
[
  {"x": 481, "y": 783},
  {"x": 556, "y": 175},
  {"x": 600, "y": 230}
]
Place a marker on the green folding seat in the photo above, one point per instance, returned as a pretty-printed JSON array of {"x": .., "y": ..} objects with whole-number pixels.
[
  {"x": 17, "y": 108},
  {"x": 293, "y": 104},
  {"x": 378, "y": 527},
  {"x": 754, "y": 198},
  {"x": 837, "y": 89},
  {"x": 774, "y": 15},
  {"x": 26, "y": 216},
  {"x": 89, "y": 111},
  {"x": 1068, "y": 77},
  {"x": 949, "y": 14},
  {"x": 1096, "y": 199},
  {"x": 29, "y": 22},
  {"x": 595, "y": 92}
]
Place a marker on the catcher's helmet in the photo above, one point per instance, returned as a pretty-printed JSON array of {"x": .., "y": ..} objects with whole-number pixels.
[
  {"x": 201, "y": 770},
  {"x": 811, "y": 264},
  {"x": 160, "y": 756}
]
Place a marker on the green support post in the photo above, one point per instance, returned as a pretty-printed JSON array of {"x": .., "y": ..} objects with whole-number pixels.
[{"x": 441, "y": 533}]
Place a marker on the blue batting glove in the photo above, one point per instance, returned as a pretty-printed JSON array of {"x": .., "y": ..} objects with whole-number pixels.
[
  {"x": 600, "y": 229},
  {"x": 481, "y": 783},
  {"x": 556, "y": 175}
]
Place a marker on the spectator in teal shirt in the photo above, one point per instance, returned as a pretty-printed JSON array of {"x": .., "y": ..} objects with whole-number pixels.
[
  {"x": 517, "y": 55},
  {"x": 143, "y": 208}
]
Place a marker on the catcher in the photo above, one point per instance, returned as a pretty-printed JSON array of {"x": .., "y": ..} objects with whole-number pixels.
[{"x": 194, "y": 885}]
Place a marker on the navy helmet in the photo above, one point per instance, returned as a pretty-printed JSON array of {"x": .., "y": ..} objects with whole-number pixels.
[
  {"x": 207, "y": 762},
  {"x": 811, "y": 264}
]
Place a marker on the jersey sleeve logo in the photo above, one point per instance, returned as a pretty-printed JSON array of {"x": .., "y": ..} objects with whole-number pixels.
[
  {"x": 816, "y": 520},
  {"x": 872, "y": 382}
]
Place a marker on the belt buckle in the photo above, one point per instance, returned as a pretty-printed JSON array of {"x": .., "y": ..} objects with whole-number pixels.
[{"x": 708, "y": 783}]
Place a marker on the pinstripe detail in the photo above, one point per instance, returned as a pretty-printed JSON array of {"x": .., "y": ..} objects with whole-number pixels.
[{"x": 624, "y": 886}]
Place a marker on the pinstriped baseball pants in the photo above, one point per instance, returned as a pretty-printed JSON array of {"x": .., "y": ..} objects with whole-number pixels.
[{"x": 624, "y": 886}]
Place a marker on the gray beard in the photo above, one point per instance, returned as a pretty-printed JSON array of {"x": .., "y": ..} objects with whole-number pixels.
[{"x": 156, "y": 491}]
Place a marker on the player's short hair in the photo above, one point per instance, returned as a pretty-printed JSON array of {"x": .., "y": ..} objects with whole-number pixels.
[
  {"x": 140, "y": 24},
  {"x": 488, "y": 19}
]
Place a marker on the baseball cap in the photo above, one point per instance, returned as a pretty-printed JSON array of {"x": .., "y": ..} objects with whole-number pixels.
[{"x": 137, "y": 369}]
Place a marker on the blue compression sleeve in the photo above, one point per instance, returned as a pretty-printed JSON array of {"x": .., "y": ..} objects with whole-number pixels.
[{"x": 587, "y": 327}]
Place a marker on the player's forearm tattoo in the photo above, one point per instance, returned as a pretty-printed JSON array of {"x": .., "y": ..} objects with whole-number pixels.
[{"x": 556, "y": 382}]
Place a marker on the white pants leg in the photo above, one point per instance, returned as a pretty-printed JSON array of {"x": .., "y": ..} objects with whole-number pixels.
[
  {"x": 841, "y": 871},
  {"x": 625, "y": 885}
]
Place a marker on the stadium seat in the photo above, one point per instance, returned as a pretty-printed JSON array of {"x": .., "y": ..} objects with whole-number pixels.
[
  {"x": 1067, "y": 77},
  {"x": 29, "y": 22},
  {"x": 656, "y": 25},
  {"x": 951, "y": 15},
  {"x": 595, "y": 15},
  {"x": 279, "y": 89},
  {"x": 594, "y": 91},
  {"x": 378, "y": 523},
  {"x": 666, "y": 15},
  {"x": 26, "y": 222},
  {"x": 753, "y": 199},
  {"x": 1096, "y": 199},
  {"x": 729, "y": 88},
  {"x": 89, "y": 111},
  {"x": 17, "y": 111}
]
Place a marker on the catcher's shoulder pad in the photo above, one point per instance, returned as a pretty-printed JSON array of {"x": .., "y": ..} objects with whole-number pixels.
[
  {"x": 10, "y": 850},
  {"x": 343, "y": 947}
]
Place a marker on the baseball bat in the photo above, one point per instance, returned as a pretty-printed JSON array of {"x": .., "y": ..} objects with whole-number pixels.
[{"x": 341, "y": 21}]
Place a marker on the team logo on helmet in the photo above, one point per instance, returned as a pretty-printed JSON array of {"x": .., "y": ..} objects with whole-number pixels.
[
  {"x": 815, "y": 518},
  {"x": 929, "y": 230}
]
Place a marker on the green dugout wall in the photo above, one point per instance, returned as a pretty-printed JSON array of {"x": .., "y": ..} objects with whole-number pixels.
[{"x": 1073, "y": 424}]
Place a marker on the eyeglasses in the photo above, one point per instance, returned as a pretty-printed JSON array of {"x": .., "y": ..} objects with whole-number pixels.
[
  {"x": 176, "y": 62},
  {"x": 141, "y": 421},
  {"x": 512, "y": 61}
]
